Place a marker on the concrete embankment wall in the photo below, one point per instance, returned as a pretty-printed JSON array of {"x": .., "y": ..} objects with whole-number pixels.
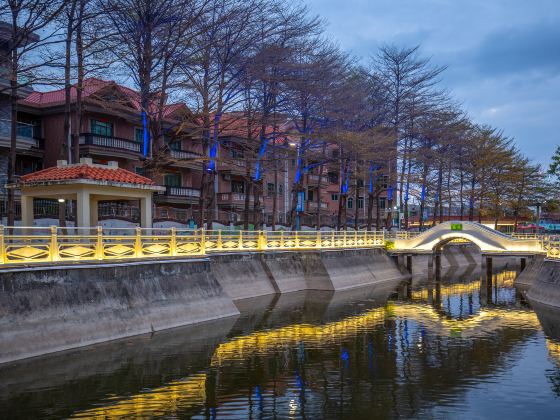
[
  {"x": 530, "y": 274},
  {"x": 545, "y": 284},
  {"x": 49, "y": 309}
]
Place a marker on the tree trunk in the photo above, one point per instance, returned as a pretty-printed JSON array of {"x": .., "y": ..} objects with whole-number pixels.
[
  {"x": 13, "y": 131},
  {"x": 461, "y": 198},
  {"x": 275, "y": 190},
  {"x": 471, "y": 200},
  {"x": 370, "y": 212},
  {"x": 80, "y": 82}
]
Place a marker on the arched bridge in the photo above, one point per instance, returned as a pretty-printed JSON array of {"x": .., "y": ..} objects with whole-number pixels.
[{"x": 490, "y": 241}]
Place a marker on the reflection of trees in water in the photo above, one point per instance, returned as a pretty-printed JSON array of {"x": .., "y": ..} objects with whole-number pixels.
[
  {"x": 553, "y": 376},
  {"x": 324, "y": 355},
  {"x": 549, "y": 318}
]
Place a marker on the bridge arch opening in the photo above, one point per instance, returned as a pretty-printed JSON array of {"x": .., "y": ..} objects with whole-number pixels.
[{"x": 455, "y": 240}]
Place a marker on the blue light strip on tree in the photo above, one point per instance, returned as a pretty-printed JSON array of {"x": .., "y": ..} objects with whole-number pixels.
[{"x": 145, "y": 136}]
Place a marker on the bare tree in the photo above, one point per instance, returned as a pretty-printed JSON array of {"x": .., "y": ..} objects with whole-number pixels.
[{"x": 27, "y": 58}]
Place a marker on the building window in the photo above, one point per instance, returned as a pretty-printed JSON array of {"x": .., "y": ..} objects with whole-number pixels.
[
  {"x": 382, "y": 203},
  {"x": 350, "y": 203},
  {"x": 334, "y": 197},
  {"x": 270, "y": 189},
  {"x": 139, "y": 135},
  {"x": 238, "y": 187},
  {"x": 139, "y": 170},
  {"x": 333, "y": 177},
  {"x": 360, "y": 202},
  {"x": 310, "y": 195},
  {"x": 280, "y": 188},
  {"x": 360, "y": 183},
  {"x": 102, "y": 128},
  {"x": 172, "y": 180},
  {"x": 236, "y": 154}
]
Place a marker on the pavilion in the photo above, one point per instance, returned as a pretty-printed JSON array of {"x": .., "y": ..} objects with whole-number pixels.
[{"x": 88, "y": 184}]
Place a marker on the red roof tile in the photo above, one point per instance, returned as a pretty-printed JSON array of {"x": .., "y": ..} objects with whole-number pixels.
[
  {"x": 91, "y": 87},
  {"x": 85, "y": 171}
]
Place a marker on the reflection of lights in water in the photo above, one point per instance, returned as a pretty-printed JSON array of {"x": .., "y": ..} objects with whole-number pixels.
[
  {"x": 191, "y": 391},
  {"x": 501, "y": 280},
  {"x": 553, "y": 347},
  {"x": 185, "y": 393},
  {"x": 293, "y": 407}
]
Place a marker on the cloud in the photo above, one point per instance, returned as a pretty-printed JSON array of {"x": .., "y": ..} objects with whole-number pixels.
[
  {"x": 503, "y": 56},
  {"x": 519, "y": 49}
]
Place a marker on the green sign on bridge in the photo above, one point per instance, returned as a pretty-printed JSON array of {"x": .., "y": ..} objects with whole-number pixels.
[{"x": 456, "y": 226}]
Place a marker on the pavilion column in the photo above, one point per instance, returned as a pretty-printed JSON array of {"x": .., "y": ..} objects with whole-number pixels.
[
  {"x": 26, "y": 210},
  {"x": 83, "y": 216},
  {"x": 94, "y": 211},
  {"x": 146, "y": 212}
]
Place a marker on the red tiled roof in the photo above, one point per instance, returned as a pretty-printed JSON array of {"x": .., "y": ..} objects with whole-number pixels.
[
  {"x": 85, "y": 171},
  {"x": 91, "y": 87}
]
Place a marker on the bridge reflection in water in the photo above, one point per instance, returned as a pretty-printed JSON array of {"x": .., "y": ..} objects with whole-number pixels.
[{"x": 319, "y": 355}]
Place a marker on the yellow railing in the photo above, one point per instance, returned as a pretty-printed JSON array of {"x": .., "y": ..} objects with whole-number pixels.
[
  {"x": 41, "y": 245},
  {"x": 551, "y": 245}
]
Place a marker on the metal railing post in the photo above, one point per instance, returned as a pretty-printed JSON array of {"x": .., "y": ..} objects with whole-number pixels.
[
  {"x": 99, "y": 243},
  {"x": 240, "y": 239},
  {"x": 319, "y": 243},
  {"x": 54, "y": 244},
  {"x": 219, "y": 241},
  {"x": 138, "y": 242},
  {"x": 282, "y": 239},
  {"x": 2, "y": 246},
  {"x": 344, "y": 243},
  {"x": 173, "y": 243},
  {"x": 332, "y": 239},
  {"x": 297, "y": 239},
  {"x": 202, "y": 241},
  {"x": 261, "y": 243}
]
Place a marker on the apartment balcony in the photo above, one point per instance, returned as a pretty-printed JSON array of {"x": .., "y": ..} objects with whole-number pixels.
[
  {"x": 96, "y": 144},
  {"x": 312, "y": 206},
  {"x": 313, "y": 180},
  {"x": 233, "y": 166},
  {"x": 232, "y": 199},
  {"x": 179, "y": 195},
  {"x": 186, "y": 159},
  {"x": 24, "y": 137}
]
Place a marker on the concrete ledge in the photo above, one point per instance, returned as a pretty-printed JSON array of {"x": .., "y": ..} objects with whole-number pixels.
[
  {"x": 50, "y": 309},
  {"x": 44, "y": 311},
  {"x": 545, "y": 289}
]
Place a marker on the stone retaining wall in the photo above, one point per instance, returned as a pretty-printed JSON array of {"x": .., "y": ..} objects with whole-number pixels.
[{"x": 49, "y": 309}]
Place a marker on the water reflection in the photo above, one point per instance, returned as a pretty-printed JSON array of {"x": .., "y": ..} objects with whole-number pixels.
[{"x": 416, "y": 350}]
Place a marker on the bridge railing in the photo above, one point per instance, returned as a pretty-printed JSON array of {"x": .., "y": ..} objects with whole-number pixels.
[
  {"x": 551, "y": 244},
  {"x": 23, "y": 245}
]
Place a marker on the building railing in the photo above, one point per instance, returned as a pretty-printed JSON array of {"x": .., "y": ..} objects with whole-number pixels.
[
  {"x": 90, "y": 139},
  {"x": 313, "y": 205},
  {"x": 27, "y": 245},
  {"x": 182, "y": 192},
  {"x": 232, "y": 197},
  {"x": 183, "y": 154}
]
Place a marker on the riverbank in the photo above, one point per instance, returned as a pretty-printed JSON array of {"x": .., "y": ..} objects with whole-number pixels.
[{"x": 50, "y": 309}]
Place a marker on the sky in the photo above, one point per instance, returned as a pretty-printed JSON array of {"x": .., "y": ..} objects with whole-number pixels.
[{"x": 503, "y": 56}]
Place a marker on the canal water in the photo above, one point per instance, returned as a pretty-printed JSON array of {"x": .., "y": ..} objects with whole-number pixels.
[{"x": 460, "y": 348}]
